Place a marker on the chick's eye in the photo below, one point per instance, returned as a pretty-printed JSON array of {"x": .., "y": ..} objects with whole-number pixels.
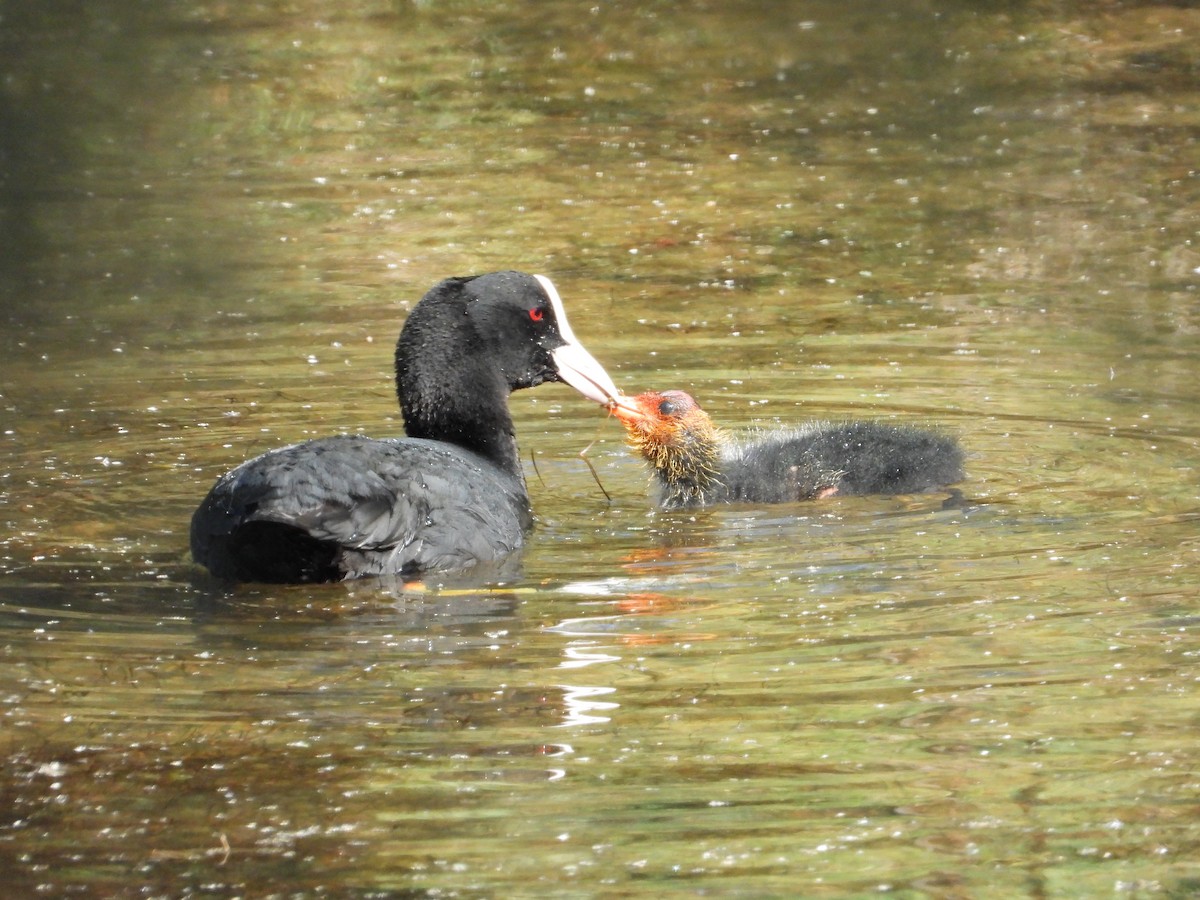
[
  {"x": 537, "y": 314},
  {"x": 666, "y": 408}
]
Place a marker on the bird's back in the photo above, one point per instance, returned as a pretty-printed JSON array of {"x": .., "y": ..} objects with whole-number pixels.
[
  {"x": 350, "y": 506},
  {"x": 824, "y": 458}
]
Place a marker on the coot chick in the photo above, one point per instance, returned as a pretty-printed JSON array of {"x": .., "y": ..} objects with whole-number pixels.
[
  {"x": 696, "y": 464},
  {"x": 449, "y": 496}
]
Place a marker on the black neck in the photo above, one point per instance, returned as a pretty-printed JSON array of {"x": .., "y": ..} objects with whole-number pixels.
[{"x": 449, "y": 389}]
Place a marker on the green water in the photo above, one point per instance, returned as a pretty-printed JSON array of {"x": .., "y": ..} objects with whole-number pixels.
[{"x": 980, "y": 216}]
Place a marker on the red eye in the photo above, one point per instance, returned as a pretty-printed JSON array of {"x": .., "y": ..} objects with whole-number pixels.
[{"x": 537, "y": 314}]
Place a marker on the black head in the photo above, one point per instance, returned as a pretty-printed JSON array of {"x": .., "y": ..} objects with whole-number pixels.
[
  {"x": 472, "y": 341},
  {"x": 516, "y": 326}
]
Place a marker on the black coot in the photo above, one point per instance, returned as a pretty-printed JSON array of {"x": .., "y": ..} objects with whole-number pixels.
[
  {"x": 447, "y": 497},
  {"x": 696, "y": 464}
]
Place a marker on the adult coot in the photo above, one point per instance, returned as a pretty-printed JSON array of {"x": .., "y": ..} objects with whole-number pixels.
[
  {"x": 696, "y": 464},
  {"x": 447, "y": 497}
]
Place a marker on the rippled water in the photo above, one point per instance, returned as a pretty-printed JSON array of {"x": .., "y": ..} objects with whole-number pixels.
[{"x": 976, "y": 216}]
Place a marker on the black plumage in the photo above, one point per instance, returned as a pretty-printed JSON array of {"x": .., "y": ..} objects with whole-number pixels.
[
  {"x": 696, "y": 464},
  {"x": 449, "y": 496}
]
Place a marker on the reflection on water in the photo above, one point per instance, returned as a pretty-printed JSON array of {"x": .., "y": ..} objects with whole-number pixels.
[{"x": 977, "y": 216}]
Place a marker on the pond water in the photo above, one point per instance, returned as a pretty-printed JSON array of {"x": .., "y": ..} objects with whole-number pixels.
[{"x": 978, "y": 216}]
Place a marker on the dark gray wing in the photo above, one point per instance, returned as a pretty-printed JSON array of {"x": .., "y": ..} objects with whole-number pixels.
[{"x": 349, "y": 506}]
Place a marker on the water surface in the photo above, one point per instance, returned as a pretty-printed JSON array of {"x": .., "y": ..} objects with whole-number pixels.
[{"x": 976, "y": 216}]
